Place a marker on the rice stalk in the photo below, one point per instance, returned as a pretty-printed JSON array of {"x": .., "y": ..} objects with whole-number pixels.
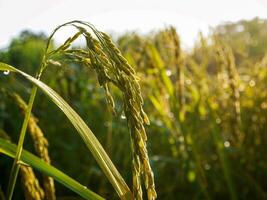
[
  {"x": 235, "y": 97},
  {"x": 84, "y": 131},
  {"x": 226, "y": 67},
  {"x": 136, "y": 119},
  {"x": 179, "y": 64},
  {"x": 40, "y": 145},
  {"x": 111, "y": 67},
  {"x": 106, "y": 59},
  {"x": 164, "y": 89},
  {"x": 103, "y": 160},
  {"x": 16, "y": 163},
  {"x": 221, "y": 70}
]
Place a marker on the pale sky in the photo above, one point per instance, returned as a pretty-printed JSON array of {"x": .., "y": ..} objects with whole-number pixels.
[{"x": 118, "y": 16}]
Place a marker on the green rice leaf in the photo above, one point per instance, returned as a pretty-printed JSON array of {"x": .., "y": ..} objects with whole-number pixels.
[
  {"x": 9, "y": 149},
  {"x": 84, "y": 131}
]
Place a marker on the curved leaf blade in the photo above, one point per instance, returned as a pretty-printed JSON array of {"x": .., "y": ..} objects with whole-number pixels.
[
  {"x": 85, "y": 132},
  {"x": 9, "y": 149}
]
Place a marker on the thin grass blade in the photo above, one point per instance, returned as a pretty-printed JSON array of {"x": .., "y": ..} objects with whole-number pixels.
[
  {"x": 87, "y": 135},
  {"x": 9, "y": 149}
]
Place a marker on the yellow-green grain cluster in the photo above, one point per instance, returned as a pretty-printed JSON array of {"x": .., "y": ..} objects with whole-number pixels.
[
  {"x": 30, "y": 184},
  {"x": 102, "y": 55}
]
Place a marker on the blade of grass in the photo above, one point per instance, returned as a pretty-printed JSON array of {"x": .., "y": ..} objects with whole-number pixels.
[
  {"x": 87, "y": 135},
  {"x": 9, "y": 149},
  {"x": 16, "y": 165}
]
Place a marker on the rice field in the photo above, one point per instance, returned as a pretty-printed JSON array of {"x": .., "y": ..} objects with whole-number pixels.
[{"x": 139, "y": 117}]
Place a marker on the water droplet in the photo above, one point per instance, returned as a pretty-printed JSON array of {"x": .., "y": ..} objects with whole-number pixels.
[
  {"x": 227, "y": 144},
  {"x": 188, "y": 81},
  {"x": 252, "y": 83},
  {"x": 123, "y": 117},
  {"x": 218, "y": 120},
  {"x": 6, "y": 72},
  {"x": 168, "y": 72}
]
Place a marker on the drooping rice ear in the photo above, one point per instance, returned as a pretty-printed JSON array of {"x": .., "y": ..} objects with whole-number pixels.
[{"x": 112, "y": 68}]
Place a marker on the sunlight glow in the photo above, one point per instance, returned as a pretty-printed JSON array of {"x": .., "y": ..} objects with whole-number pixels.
[{"x": 119, "y": 16}]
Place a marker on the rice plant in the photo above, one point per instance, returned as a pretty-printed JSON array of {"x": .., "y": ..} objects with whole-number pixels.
[
  {"x": 111, "y": 67},
  {"x": 206, "y": 106}
]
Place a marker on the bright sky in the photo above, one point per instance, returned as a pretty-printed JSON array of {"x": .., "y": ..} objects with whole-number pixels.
[{"x": 189, "y": 16}]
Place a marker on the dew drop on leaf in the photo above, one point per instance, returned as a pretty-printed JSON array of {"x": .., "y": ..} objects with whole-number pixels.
[{"x": 6, "y": 72}]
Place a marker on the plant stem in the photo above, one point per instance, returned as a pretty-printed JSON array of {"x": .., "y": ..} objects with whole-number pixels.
[{"x": 16, "y": 164}]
